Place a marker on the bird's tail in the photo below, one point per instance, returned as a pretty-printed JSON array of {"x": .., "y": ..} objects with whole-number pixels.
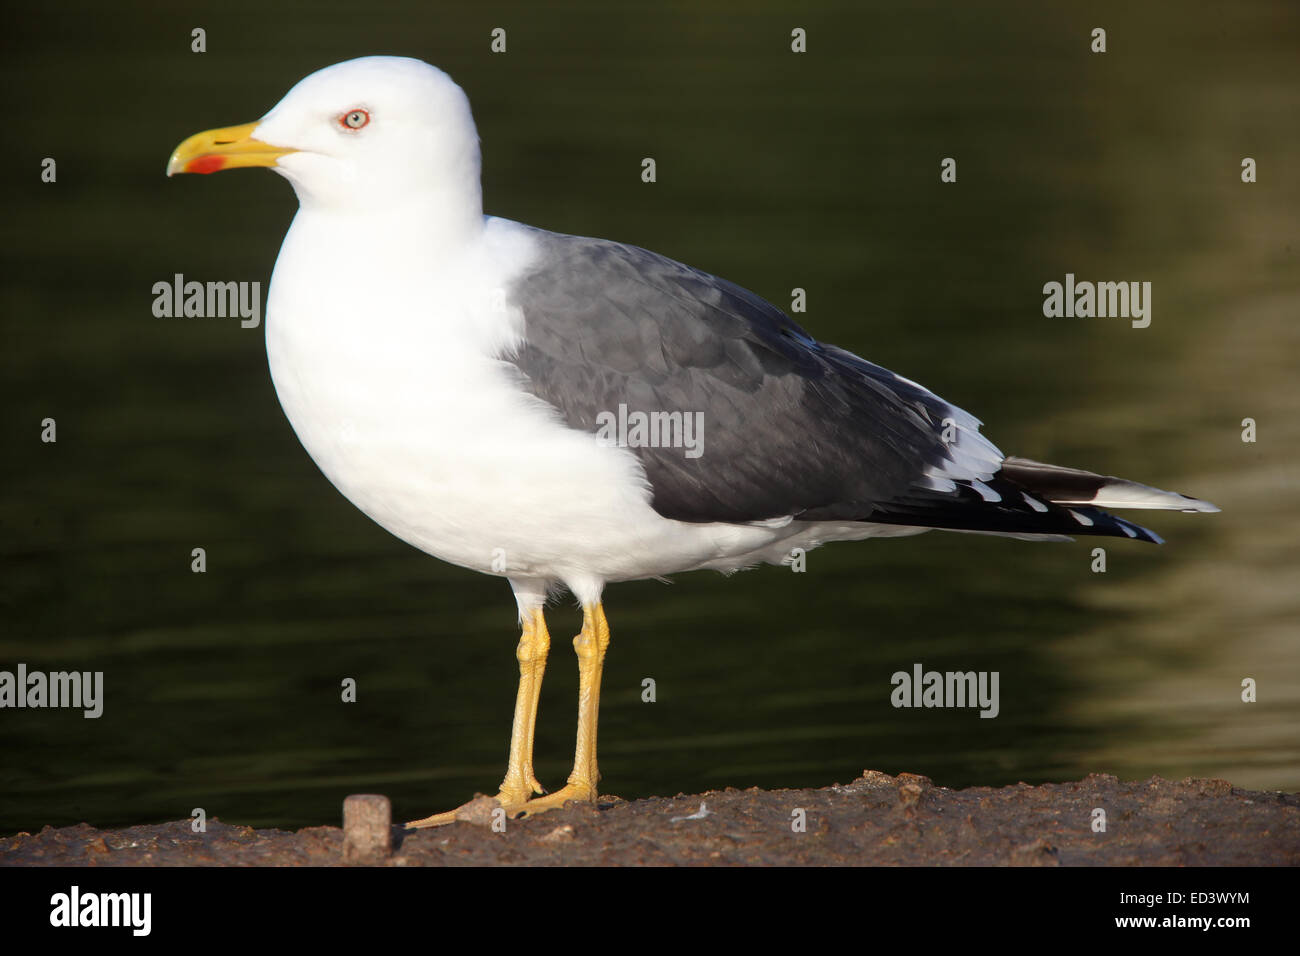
[
  {"x": 1034, "y": 500},
  {"x": 1083, "y": 492},
  {"x": 1071, "y": 486}
]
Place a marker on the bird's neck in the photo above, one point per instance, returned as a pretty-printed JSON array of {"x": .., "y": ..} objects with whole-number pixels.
[
  {"x": 435, "y": 220},
  {"x": 445, "y": 215}
]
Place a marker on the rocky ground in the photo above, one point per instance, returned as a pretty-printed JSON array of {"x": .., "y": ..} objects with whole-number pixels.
[{"x": 877, "y": 819}]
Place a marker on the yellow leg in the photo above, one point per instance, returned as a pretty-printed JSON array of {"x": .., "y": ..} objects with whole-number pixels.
[
  {"x": 590, "y": 645},
  {"x": 520, "y": 782}
]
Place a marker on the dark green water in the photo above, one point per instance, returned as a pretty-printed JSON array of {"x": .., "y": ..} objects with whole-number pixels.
[{"x": 775, "y": 170}]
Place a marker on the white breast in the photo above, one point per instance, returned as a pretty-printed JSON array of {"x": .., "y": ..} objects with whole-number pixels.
[{"x": 412, "y": 417}]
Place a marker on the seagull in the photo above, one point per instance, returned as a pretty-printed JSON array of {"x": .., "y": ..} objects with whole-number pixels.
[{"x": 567, "y": 412}]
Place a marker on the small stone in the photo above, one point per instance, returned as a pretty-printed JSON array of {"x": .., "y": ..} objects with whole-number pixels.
[
  {"x": 481, "y": 811},
  {"x": 911, "y": 787},
  {"x": 872, "y": 778},
  {"x": 909, "y": 794},
  {"x": 559, "y": 834},
  {"x": 367, "y": 827}
]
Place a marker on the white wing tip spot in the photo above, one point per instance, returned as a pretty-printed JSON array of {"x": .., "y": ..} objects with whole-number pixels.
[{"x": 1033, "y": 502}]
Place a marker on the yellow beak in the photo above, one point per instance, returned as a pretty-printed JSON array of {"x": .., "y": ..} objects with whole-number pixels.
[{"x": 228, "y": 148}]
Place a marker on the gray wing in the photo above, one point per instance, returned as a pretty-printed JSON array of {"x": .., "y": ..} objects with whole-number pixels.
[{"x": 792, "y": 426}]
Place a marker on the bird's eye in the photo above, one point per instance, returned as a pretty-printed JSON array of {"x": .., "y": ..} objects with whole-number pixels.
[{"x": 355, "y": 119}]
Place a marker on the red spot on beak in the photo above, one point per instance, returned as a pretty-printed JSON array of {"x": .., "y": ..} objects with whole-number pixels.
[{"x": 205, "y": 164}]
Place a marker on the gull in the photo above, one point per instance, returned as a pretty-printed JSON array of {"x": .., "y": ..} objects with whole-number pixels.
[{"x": 568, "y": 412}]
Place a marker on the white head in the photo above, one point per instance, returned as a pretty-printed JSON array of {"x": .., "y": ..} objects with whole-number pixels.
[{"x": 377, "y": 133}]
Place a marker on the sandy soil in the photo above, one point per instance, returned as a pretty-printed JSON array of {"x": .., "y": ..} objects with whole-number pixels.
[{"x": 877, "y": 819}]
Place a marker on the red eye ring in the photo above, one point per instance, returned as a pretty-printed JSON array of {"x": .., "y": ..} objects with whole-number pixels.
[{"x": 354, "y": 119}]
